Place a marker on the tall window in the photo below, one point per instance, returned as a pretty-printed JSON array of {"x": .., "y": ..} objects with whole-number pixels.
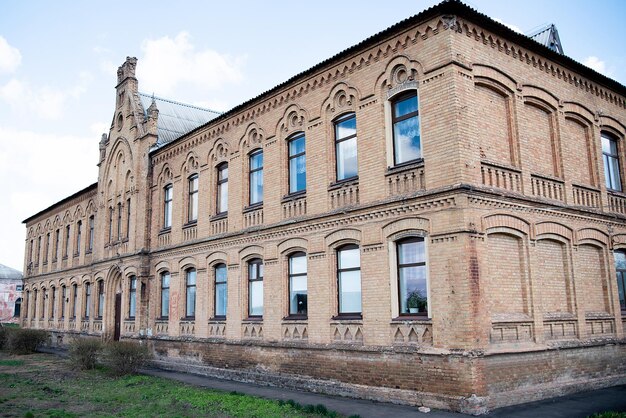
[
  {"x": 110, "y": 224},
  {"x": 67, "y": 241},
  {"x": 406, "y": 129},
  {"x": 27, "y": 303},
  {"x": 79, "y": 233},
  {"x": 190, "y": 294},
  {"x": 57, "y": 243},
  {"x": 30, "y": 251},
  {"x": 45, "y": 254},
  {"x": 297, "y": 284},
  {"x": 91, "y": 230},
  {"x": 345, "y": 147},
  {"x": 38, "y": 248},
  {"x": 412, "y": 287},
  {"x": 87, "y": 300},
  {"x": 349, "y": 279},
  {"x": 127, "y": 217},
  {"x": 221, "y": 292},
  {"x": 192, "y": 210},
  {"x": 256, "y": 177},
  {"x": 53, "y": 303},
  {"x": 100, "y": 298},
  {"x": 74, "y": 299},
  {"x": 222, "y": 188},
  {"x": 620, "y": 266},
  {"x": 43, "y": 302},
  {"x": 167, "y": 207},
  {"x": 255, "y": 288},
  {"x": 63, "y": 300},
  {"x": 35, "y": 304},
  {"x": 610, "y": 158},
  {"x": 132, "y": 297},
  {"x": 165, "y": 295},
  {"x": 119, "y": 221},
  {"x": 297, "y": 164}
]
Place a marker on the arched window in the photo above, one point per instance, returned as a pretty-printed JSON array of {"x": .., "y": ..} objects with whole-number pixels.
[
  {"x": 74, "y": 299},
  {"x": 349, "y": 279},
  {"x": 221, "y": 290},
  {"x": 411, "y": 271},
  {"x": 297, "y": 163},
  {"x": 91, "y": 231},
  {"x": 165, "y": 295},
  {"x": 67, "y": 241},
  {"x": 256, "y": 177},
  {"x": 167, "y": 206},
  {"x": 100, "y": 298},
  {"x": 132, "y": 297},
  {"x": 63, "y": 300},
  {"x": 87, "y": 308},
  {"x": 346, "y": 147},
  {"x": 190, "y": 294},
  {"x": 27, "y": 304},
  {"x": 119, "y": 221},
  {"x": 110, "y": 224},
  {"x": 128, "y": 217},
  {"x": 610, "y": 157},
  {"x": 406, "y": 128},
  {"x": 79, "y": 233},
  {"x": 298, "y": 284},
  {"x": 18, "y": 308},
  {"x": 255, "y": 288},
  {"x": 620, "y": 267},
  {"x": 53, "y": 302},
  {"x": 192, "y": 209},
  {"x": 222, "y": 188}
]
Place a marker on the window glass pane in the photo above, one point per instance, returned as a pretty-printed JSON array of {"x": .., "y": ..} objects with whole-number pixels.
[
  {"x": 411, "y": 252},
  {"x": 220, "y": 273},
  {"x": 297, "y": 264},
  {"x": 252, "y": 271},
  {"x": 256, "y": 161},
  {"x": 346, "y": 159},
  {"x": 349, "y": 258},
  {"x": 621, "y": 289},
  {"x": 220, "y": 299},
  {"x": 191, "y": 277},
  {"x": 256, "y": 187},
  {"x": 406, "y": 134},
  {"x": 345, "y": 128},
  {"x": 223, "y": 173},
  {"x": 133, "y": 303},
  {"x": 256, "y": 298},
  {"x": 350, "y": 291},
  {"x": 405, "y": 106},
  {"x": 296, "y": 146},
  {"x": 620, "y": 260},
  {"x": 191, "y": 301},
  {"x": 223, "y": 197},
  {"x": 298, "y": 295},
  {"x": 413, "y": 292},
  {"x": 614, "y": 172},
  {"x": 165, "y": 303},
  {"x": 297, "y": 174}
]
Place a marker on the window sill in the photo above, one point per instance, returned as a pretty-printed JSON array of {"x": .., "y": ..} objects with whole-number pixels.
[
  {"x": 163, "y": 318},
  {"x": 586, "y": 187},
  {"x": 252, "y": 319},
  {"x": 500, "y": 165},
  {"x": 347, "y": 317},
  {"x": 188, "y": 318},
  {"x": 88, "y": 252},
  {"x": 253, "y": 207},
  {"x": 190, "y": 224},
  {"x": 217, "y": 319},
  {"x": 166, "y": 230},
  {"x": 616, "y": 192},
  {"x": 411, "y": 318},
  {"x": 343, "y": 183},
  {"x": 293, "y": 196},
  {"x": 64, "y": 258},
  {"x": 295, "y": 318},
  {"x": 409, "y": 165},
  {"x": 221, "y": 215}
]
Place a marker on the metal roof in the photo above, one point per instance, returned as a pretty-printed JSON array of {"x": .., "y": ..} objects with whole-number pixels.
[
  {"x": 548, "y": 36},
  {"x": 175, "y": 118},
  {"x": 9, "y": 273}
]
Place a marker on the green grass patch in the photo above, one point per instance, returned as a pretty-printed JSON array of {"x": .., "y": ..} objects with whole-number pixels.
[
  {"x": 47, "y": 386},
  {"x": 13, "y": 363},
  {"x": 609, "y": 414}
]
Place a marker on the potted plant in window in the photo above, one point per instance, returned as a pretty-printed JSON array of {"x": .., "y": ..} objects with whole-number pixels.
[{"x": 416, "y": 302}]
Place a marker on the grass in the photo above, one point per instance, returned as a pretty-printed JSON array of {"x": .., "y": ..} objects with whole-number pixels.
[
  {"x": 39, "y": 385},
  {"x": 609, "y": 414}
]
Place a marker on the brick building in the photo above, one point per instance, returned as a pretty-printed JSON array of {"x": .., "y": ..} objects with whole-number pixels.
[
  {"x": 433, "y": 216},
  {"x": 11, "y": 285}
]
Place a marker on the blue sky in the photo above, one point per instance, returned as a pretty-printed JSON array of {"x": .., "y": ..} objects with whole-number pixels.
[{"x": 58, "y": 61}]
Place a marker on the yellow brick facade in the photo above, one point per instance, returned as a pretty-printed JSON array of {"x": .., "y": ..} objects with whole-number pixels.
[{"x": 509, "y": 198}]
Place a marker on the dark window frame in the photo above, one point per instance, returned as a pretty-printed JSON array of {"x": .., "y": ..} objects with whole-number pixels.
[
  {"x": 132, "y": 294},
  {"x": 79, "y": 232},
  {"x": 53, "y": 300},
  {"x": 193, "y": 196},
  {"x": 336, "y": 122},
  {"x": 74, "y": 299},
  {"x": 110, "y": 223},
  {"x": 91, "y": 233},
  {"x": 163, "y": 275},
  {"x": 350, "y": 246},
  {"x": 187, "y": 290},
  {"x": 168, "y": 197},
  {"x": 100, "y": 289},
  {"x": 87, "y": 307},
  {"x": 291, "y": 157},
  {"x": 221, "y": 180},
  {"x": 408, "y": 265},
  {"x": 394, "y": 119},
  {"x": 68, "y": 236},
  {"x": 217, "y": 283},
  {"x": 615, "y": 157},
  {"x": 128, "y": 214},
  {"x": 119, "y": 221},
  {"x": 620, "y": 275},
  {"x": 63, "y": 300},
  {"x": 290, "y": 276},
  {"x": 253, "y": 171}
]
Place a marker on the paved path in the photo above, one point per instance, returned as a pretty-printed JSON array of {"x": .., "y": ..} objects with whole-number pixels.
[{"x": 579, "y": 405}]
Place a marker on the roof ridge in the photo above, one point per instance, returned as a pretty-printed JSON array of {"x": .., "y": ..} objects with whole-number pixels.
[{"x": 152, "y": 96}]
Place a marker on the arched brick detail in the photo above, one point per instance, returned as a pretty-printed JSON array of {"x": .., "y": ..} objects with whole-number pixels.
[
  {"x": 342, "y": 235},
  {"x": 288, "y": 244},
  {"x": 162, "y": 266},
  {"x": 251, "y": 250},
  {"x": 494, "y": 78},
  {"x": 217, "y": 256},
  {"x": 554, "y": 228},
  {"x": 130, "y": 271},
  {"x": 506, "y": 221},
  {"x": 187, "y": 262},
  {"x": 395, "y": 227},
  {"x": 592, "y": 234},
  {"x": 619, "y": 240}
]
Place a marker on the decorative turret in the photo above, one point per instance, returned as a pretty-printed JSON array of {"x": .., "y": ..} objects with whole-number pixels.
[{"x": 152, "y": 117}]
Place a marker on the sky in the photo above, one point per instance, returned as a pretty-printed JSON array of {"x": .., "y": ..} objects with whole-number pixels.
[{"x": 58, "y": 63}]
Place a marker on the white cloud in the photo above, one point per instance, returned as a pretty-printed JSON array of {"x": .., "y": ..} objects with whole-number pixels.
[
  {"x": 168, "y": 63},
  {"x": 597, "y": 64},
  {"x": 45, "y": 102},
  {"x": 37, "y": 170},
  {"x": 10, "y": 57},
  {"x": 508, "y": 25}
]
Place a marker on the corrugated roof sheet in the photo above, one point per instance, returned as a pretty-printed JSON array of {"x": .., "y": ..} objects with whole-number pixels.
[
  {"x": 548, "y": 36},
  {"x": 175, "y": 118},
  {"x": 9, "y": 273}
]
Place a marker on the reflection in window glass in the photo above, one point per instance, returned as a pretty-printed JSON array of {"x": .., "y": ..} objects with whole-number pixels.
[
  {"x": 620, "y": 267},
  {"x": 165, "y": 295},
  {"x": 349, "y": 279},
  {"x": 297, "y": 284},
  {"x": 297, "y": 164},
  {"x": 610, "y": 158},
  {"x": 190, "y": 305},
  {"x": 346, "y": 147},
  {"x": 255, "y": 288},
  {"x": 221, "y": 291},
  {"x": 412, "y": 287},
  {"x": 256, "y": 177},
  {"x": 406, "y": 129}
]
